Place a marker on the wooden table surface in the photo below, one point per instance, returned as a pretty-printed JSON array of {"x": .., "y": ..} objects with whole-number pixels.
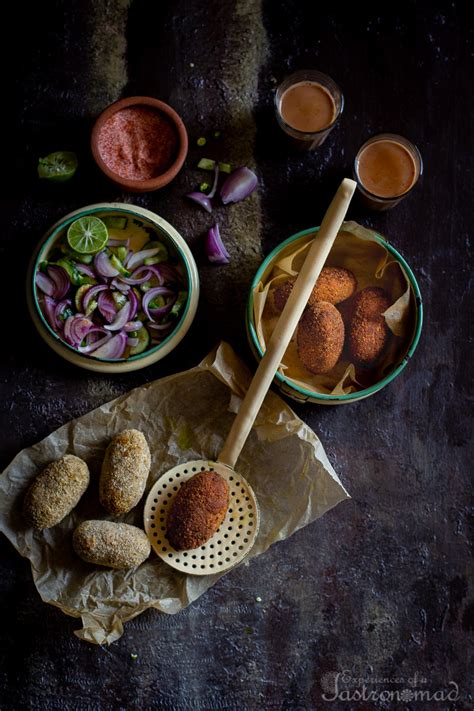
[{"x": 379, "y": 591}]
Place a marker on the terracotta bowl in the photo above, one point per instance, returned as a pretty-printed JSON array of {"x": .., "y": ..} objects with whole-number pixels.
[{"x": 142, "y": 186}]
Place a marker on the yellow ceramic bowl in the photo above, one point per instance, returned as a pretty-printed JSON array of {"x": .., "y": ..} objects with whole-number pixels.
[{"x": 169, "y": 236}]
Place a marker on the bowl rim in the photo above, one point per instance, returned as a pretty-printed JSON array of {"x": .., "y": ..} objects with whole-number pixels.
[
  {"x": 160, "y": 180},
  {"x": 366, "y": 391},
  {"x": 52, "y": 235}
]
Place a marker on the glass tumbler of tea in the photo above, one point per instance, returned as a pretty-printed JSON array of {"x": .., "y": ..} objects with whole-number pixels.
[
  {"x": 308, "y": 104},
  {"x": 386, "y": 169}
]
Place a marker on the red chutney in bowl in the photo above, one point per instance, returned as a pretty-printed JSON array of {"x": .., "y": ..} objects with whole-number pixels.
[
  {"x": 140, "y": 143},
  {"x": 137, "y": 143}
]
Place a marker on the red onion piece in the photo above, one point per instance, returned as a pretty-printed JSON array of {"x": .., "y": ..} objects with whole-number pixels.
[
  {"x": 201, "y": 199},
  {"x": 160, "y": 326},
  {"x": 166, "y": 273},
  {"x": 58, "y": 311},
  {"x": 90, "y": 347},
  {"x": 76, "y": 329},
  {"x": 215, "y": 250},
  {"x": 124, "y": 288},
  {"x": 133, "y": 326},
  {"x": 113, "y": 349},
  {"x": 139, "y": 257},
  {"x": 50, "y": 311},
  {"x": 132, "y": 342},
  {"x": 150, "y": 295},
  {"x": 103, "y": 266},
  {"x": 118, "y": 242},
  {"x": 60, "y": 279},
  {"x": 44, "y": 283},
  {"x": 91, "y": 294},
  {"x": 133, "y": 304},
  {"x": 120, "y": 320},
  {"x": 239, "y": 185},
  {"x": 135, "y": 279},
  {"x": 107, "y": 305},
  {"x": 216, "y": 180},
  {"x": 85, "y": 269}
]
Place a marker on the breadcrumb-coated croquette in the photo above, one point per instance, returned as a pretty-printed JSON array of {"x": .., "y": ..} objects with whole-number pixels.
[
  {"x": 114, "y": 545},
  {"x": 368, "y": 331},
  {"x": 198, "y": 510},
  {"x": 334, "y": 285},
  {"x": 124, "y": 473},
  {"x": 55, "y": 492},
  {"x": 320, "y": 337}
]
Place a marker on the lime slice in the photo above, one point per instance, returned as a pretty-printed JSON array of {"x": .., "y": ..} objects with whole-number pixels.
[
  {"x": 58, "y": 167},
  {"x": 87, "y": 235}
]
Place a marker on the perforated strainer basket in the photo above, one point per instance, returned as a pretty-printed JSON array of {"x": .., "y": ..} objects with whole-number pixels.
[
  {"x": 238, "y": 531},
  {"x": 231, "y": 542}
]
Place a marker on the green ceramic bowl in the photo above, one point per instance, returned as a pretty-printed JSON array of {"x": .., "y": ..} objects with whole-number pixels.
[
  {"x": 177, "y": 245},
  {"x": 299, "y": 393}
]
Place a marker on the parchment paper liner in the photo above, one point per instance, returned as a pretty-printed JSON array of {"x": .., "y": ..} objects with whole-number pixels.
[
  {"x": 356, "y": 249},
  {"x": 184, "y": 416}
]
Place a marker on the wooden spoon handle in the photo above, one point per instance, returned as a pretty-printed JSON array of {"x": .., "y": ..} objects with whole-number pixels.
[{"x": 291, "y": 314}]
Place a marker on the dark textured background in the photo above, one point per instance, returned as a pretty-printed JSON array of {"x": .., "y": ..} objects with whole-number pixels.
[{"x": 382, "y": 585}]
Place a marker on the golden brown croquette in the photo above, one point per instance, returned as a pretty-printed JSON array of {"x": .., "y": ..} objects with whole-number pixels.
[
  {"x": 114, "y": 545},
  {"x": 334, "y": 285},
  {"x": 55, "y": 492},
  {"x": 368, "y": 332},
  {"x": 198, "y": 510},
  {"x": 320, "y": 337},
  {"x": 124, "y": 473}
]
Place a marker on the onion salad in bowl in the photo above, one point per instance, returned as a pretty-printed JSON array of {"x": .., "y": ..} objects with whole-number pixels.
[{"x": 110, "y": 287}]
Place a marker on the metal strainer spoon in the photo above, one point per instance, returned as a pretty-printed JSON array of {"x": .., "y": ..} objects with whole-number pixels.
[{"x": 237, "y": 533}]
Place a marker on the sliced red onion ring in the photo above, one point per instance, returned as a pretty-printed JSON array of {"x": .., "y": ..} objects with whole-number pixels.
[
  {"x": 91, "y": 294},
  {"x": 133, "y": 326},
  {"x": 201, "y": 199},
  {"x": 132, "y": 342},
  {"x": 103, "y": 266},
  {"x": 216, "y": 180},
  {"x": 139, "y": 257},
  {"x": 160, "y": 326},
  {"x": 49, "y": 310},
  {"x": 215, "y": 250},
  {"x": 120, "y": 320},
  {"x": 76, "y": 329},
  {"x": 166, "y": 273},
  {"x": 58, "y": 311},
  {"x": 118, "y": 242},
  {"x": 150, "y": 295},
  {"x": 85, "y": 269},
  {"x": 60, "y": 279},
  {"x": 90, "y": 347},
  {"x": 107, "y": 305},
  {"x": 133, "y": 304},
  {"x": 134, "y": 280},
  {"x": 124, "y": 288},
  {"x": 239, "y": 185},
  {"x": 113, "y": 349},
  {"x": 44, "y": 283}
]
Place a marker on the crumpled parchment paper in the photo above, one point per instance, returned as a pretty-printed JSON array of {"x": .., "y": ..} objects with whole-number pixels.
[
  {"x": 356, "y": 249},
  {"x": 185, "y": 416}
]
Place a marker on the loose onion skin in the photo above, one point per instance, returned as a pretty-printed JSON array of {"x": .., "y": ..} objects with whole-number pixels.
[{"x": 215, "y": 249}]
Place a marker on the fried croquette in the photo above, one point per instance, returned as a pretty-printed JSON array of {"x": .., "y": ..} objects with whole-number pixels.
[
  {"x": 114, "y": 545},
  {"x": 198, "y": 510},
  {"x": 320, "y": 337},
  {"x": 124, "y": 473},
  {"x": 334, "y": 285},
  {"x": 368, "y": 331},
  {"x": 55, "y": 492}
]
